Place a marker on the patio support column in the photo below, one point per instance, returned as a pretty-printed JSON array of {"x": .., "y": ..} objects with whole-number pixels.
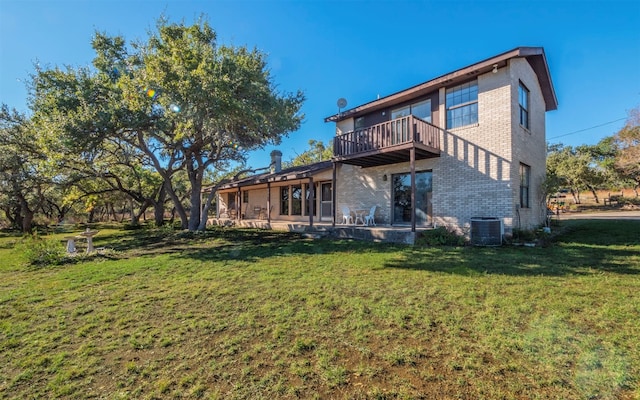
[
  {"x": 268, "y": 202},
  {"x": 333, "y": 195},
  {"x": 412, "y": 162},
  {"x": 310, "y": 201},
  {"x": 238, "y": 206}
]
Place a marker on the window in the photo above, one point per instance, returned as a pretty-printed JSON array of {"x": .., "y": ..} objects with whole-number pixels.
[
  {"x": 359, "y": 124},
  {"x": 523, "y": 100},
  {"x": 307, "y": 197},
  {"x": 462, "y": 105},
  {"x": 296, "y": 200},
  {"x": 284, "y": 200},
  {"x": 420, "y": 109},
  {"x": 525, "y": 177},
  {"x": 245, "y": 197}
]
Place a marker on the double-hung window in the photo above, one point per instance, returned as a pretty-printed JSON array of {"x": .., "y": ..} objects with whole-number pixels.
[
  {"x": 462, "y": 105},
  {"x": 525, "y": 178},
  {"x": 523, "y": 101}
]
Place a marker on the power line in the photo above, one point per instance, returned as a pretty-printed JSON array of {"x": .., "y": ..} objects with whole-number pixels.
[{"x": 586, "y": 129}]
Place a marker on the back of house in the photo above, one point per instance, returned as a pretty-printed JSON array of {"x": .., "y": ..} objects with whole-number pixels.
[
  {"x": 466, "y": 146},
  {"x": 473, "y": 138}
]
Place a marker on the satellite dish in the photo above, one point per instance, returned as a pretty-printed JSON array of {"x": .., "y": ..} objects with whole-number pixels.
[{"x": 342, "y": 102}]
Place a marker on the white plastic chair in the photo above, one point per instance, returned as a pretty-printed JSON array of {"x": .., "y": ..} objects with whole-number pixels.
[
  {"x": 346, "y": 215},
  {"x": 370, "y": 219}
]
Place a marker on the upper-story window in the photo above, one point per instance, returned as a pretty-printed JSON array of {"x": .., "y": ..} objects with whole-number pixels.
[
  {"x": 462, "y": 105},
  {"x": 421, "y": 109},
  {"x": 523, "y": 101},
  {"x": 359, "y": 123}
]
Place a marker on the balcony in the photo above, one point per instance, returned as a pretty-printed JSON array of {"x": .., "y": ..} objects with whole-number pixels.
[{"x": 389, "y": 142}]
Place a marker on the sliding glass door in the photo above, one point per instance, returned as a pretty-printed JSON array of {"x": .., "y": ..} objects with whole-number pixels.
[
  {"x": 325, "y": 201},
  {"x": 402, "y": 198}
]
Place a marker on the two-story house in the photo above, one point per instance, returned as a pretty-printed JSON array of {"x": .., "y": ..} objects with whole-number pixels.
[{"x": 468, "y": 144}]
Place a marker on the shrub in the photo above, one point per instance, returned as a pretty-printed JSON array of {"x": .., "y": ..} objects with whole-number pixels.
[
  {"x": 630, "y": 201},
  {"x": 524, "y": 235},
  {"x": 440, "y": 236},
  {"x": 39, "y": 251}
]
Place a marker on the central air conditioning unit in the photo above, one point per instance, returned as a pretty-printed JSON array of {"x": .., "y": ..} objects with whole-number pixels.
[{"x": 486, "y": 231}]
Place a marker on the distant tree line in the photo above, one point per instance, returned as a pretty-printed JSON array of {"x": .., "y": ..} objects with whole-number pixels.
[{"x": 611, "y": 164}]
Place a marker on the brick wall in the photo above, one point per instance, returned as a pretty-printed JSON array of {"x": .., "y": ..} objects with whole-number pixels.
[
  {"x": 529, "y": 145},
  {"x": 473, "y": 176},
  {"x": 477, "y": 174}
]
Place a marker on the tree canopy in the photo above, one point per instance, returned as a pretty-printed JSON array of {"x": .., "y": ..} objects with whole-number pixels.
[
  {"x": 316, "y": 152},
  {"x": 179, "y": 101}
]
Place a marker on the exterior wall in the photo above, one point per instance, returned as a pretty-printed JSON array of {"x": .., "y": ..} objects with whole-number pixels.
[
  {"x": 362, "y": 188},
  {"x": 477, "y": 174},
  {"x": 258, "y": 195},
  {"x": 529, "y": 145},
  {"x": 473, "y": 176},
  {"x": 344, "y": 126}
]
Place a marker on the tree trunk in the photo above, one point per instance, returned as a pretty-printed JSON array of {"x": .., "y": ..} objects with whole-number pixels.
[
  {"x": 205, "y": 211},
  {"x": 113, "y": 212},
  {"x": 135, "y": 217},
  {"x": 26, "y": 214},
  {"x": 196, "y": 201},
  {"x": 595, "y": 194},
  {"x": 576, "y": 195},
  {"x": 166, "y": 177},
  {"x": 195, "y": 178},
  {"x": 27, "y": 220},
  {"x": 158, "y": 206}
]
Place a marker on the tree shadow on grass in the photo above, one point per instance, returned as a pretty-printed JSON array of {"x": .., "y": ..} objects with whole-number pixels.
[
  {"x": 584, "y": 248},
  {"x": 220, "y": 244},
  {"x": 255, "y": 246}
]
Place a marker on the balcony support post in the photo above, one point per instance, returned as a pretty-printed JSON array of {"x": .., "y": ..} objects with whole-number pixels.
[
  {"x": 412, "y": 163},
  {"x": 333, "y": 194},
  {"x": 311, "y": 201},
  {"x": 268, "y": 202}
]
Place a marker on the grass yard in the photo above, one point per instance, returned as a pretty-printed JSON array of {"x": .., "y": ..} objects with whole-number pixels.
[{"x": 247, "y": 314}]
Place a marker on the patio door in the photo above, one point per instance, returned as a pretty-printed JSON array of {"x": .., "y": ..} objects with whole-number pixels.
[
  {"x": 402, "y": 198},
  {"x": 325, "y": 201}
]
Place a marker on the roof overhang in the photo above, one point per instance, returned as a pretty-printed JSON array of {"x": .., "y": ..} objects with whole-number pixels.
[
  {"x": 289, "y": 174},
  {"x": 534, "y": 55}
]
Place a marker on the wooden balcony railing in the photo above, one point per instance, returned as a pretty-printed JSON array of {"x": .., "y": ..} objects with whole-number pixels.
[{"x": 403, "y": 130}]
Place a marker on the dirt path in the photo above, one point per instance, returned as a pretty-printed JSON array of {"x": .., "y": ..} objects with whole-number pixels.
[{"x": 601, "y": 215}]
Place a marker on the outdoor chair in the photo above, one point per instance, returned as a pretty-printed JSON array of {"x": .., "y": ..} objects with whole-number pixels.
[
  {"x": 370, "y": 219},
  {"x": 257, "y": 212},
  {"x": 346, "y": 215}
]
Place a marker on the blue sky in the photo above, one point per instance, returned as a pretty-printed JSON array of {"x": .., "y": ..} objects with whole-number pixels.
[{"x": 361, "y": 49}]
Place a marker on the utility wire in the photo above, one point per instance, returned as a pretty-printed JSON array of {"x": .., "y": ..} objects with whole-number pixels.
[{"x": 586, "y": 129}]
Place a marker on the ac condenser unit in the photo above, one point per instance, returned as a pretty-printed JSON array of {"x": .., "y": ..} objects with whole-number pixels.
[{"x": 486, "y": 231}]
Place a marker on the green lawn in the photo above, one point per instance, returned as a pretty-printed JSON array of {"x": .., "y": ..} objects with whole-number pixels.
[{"x": 256, "y": 314}]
